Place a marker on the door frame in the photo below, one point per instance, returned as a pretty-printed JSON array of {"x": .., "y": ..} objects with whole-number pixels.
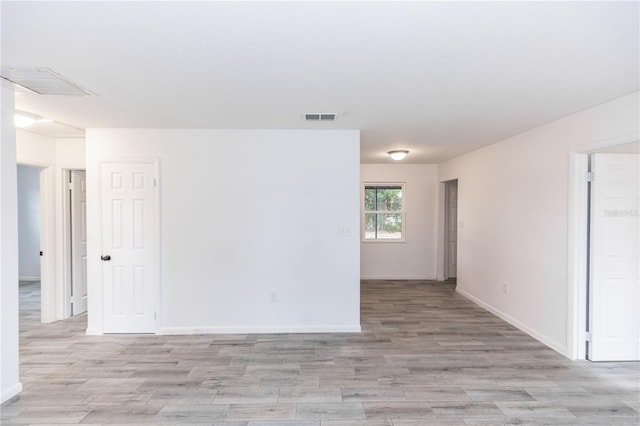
[
  {"x": 66, "y": 239},
  {"x": 96, "y": 291},
  {"x": 577, "y": 256},
  {"x": 447, "y": 226}
]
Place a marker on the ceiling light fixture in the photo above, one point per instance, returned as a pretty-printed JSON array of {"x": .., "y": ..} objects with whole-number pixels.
[
  {"x": 398, "y": 154},
  {"x": 25, "y": 119}
]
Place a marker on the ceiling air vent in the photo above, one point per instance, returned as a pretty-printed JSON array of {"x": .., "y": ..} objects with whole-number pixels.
[
  {"x": 320, "y": 116},
  {"x": 43, "y": 81}
]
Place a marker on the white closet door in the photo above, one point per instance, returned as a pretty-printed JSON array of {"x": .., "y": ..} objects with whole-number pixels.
[
  {"x": 615, "y": 280},
  {"x": 129, "y": 247}
]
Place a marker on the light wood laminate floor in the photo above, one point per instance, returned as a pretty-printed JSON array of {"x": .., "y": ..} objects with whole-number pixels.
[{"x": 426, "y": 356}]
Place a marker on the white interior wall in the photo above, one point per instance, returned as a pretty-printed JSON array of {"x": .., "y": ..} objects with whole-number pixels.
[
  {"x": 513, "y": 199},
  {"x": 244, "y": 213},
  {"x": 9, "y": 368},
  {"x": 70, "y": 153},
  {"x": 28, "y": 223},
  {"x": 34, "y": 149},
  {"x": 414, "y": 258}
]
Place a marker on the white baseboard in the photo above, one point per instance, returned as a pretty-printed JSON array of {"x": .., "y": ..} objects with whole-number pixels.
[
  {"x": 261, "y": 329},
  {"x": 28, "y": 278},
  {"x": 94, "y": 332},
  {"x": 561, "y": 349},
  {"x": 7, "y": 394},
  {"x": 399, "y": 278}
]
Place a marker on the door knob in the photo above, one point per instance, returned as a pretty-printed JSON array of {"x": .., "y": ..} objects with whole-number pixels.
[{"x": 105, "y": 258}]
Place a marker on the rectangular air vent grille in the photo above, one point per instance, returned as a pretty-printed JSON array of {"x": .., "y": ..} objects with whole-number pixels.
[
  {"x": 43, "y": 81},
  {"x": 320, "y": 116}
]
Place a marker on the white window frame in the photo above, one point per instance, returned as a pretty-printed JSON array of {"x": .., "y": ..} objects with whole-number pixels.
[{"x": 403, "y": 212}]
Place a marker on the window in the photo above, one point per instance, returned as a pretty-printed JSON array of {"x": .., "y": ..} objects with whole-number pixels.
[{"x": 383, "y": 212}]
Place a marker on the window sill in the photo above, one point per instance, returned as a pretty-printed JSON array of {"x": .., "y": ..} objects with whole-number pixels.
[{"x": 383, "y": 241}]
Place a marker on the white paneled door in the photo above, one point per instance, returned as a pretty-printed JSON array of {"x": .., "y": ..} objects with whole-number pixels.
[
  {"x": 129, "y": 247},
  {"x": 615, "y": 281},
  {"x": 78, "y": 189}
]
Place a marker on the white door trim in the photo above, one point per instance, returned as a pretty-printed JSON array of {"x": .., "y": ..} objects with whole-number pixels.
[
  {"x": 577, "y": 256},
  {"x": 577, "y": 242},
  {"x": 440, "y": 234},
  {"x": 446, "y": 231},
  {"x": 65, "y": 212},
  {"x": 447, "y": 227},
  {"x": 98, "y": 291}
]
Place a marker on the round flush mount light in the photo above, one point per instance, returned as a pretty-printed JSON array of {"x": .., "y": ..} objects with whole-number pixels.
[
  {"x": 25, "y": 119},
  {"x": 398, "y": 154}
]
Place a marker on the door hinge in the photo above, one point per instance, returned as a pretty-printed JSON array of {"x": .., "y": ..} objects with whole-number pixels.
[
  {"x": 70, "y": 186},
  {"x": 155, "y": 182},
  {"x": 587, "y": 336},
  {"x": 155, "y": 316},
  {"x": 590, "y": 176}
]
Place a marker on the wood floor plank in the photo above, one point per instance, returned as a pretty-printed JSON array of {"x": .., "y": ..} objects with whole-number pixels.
[{"x": 425, "y": 356}]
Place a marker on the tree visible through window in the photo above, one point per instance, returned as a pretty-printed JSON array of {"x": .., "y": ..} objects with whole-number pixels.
[{"x": 383, "y": 212}]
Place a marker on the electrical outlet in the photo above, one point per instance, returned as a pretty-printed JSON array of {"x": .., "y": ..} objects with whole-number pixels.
[
  {"x": 506, "y": 289},
  {"x": 273, "y": 296}
]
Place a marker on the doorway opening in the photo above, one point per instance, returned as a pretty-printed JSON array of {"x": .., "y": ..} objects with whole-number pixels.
[
  {"x": 451, "y": 230},
  {"x": 30, "y": 245}
]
